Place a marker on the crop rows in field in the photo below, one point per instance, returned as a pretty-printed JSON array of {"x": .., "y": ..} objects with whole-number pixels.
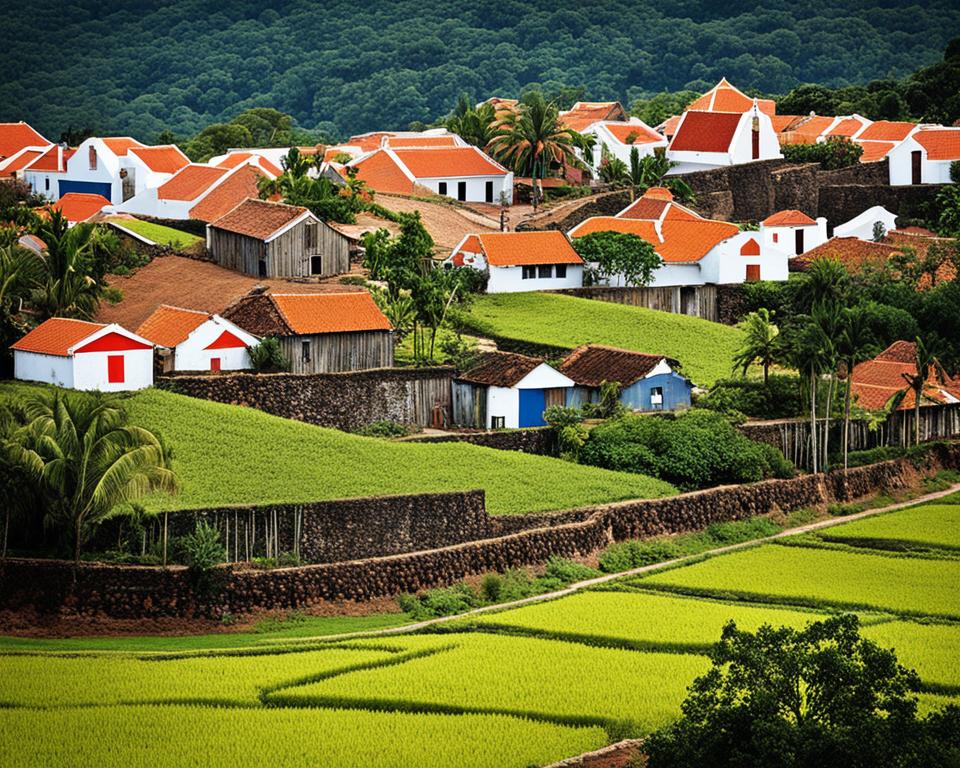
[{"x": 931, "y": 526}]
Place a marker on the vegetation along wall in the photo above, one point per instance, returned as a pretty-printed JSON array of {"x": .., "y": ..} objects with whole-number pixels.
[
  {"x": 139, "y": 591},
  {"x": 345, "y": 401}
]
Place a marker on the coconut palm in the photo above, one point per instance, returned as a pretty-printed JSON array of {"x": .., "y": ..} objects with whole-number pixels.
[
  {"x": 761, "y": 342},
  {"x": 89, "y": 460},
  {"x": 927, "y": 366},
  {"x": 475, "y": 125},
  {"x": 67, "y": 288},
  {"x": 531, "y": 139},
  {"x": 812, "y": 354}
]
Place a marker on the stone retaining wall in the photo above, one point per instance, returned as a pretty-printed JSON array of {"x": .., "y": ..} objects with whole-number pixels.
[
  {"x": 137, "y": 592},
  {"x": 541, "y": 441}
]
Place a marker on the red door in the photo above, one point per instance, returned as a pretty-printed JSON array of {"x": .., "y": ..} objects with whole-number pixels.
[
  {"x": 115, "y": 374},
  {"x": 753, "y": 273},
  {"x": 214, "y": 363},
  {"x": 756, "y": 144}
]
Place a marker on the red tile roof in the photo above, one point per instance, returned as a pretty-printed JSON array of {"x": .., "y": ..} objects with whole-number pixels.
[
  {"x": 790, "y": 218},
  {"x": 632, "y": 133},
  {"x": 312, "y": 313},
  {"x": 648, "y": 208},
  {"x": 875, "y": 382},
  {"x": 190, "y": 182},
  {"x": 852, "y": 252},
  {"x": 80, "y": 206},
  {"x": 874, "y": 150},
  {"x": 941, "y": 144},
  {"x": 705, "y": 132},
  {"x": 409, "y": 142},
  {"x": 16, "y": 136},
  {"x": 683, "y": 241},
  {"x": 53, "y": 160},
  {"x": 120, "y": 145},
  {"x": 501, "y": 369},
  {"x": 886, "y": 130},
  {"x": 448, "y": 162},
  {"x": 168, "y": 326},
  {"x": 511, "y": 249},
  {"x": 22, "y": 160},
  {"x": 846, "y": 127},
  {"x": 258, "y": 218},
  {"x": 805, "y": 130},
  {"x": 165, "y": 158},
  {"x": 237, "y": 158},
  {"x": 585, "y": 113},
  {"x": 669, "y": 125},
  {"x": 227, "y": 195},
  {"x": 56, "y": 336},
  {"x": 724, "y": 97},
  {"x": 381, "y": 172},
  {"x": 592, "y": 364}
]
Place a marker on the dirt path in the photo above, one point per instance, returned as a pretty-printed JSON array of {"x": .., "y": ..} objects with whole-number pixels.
[{"x": 581, "y": 585}]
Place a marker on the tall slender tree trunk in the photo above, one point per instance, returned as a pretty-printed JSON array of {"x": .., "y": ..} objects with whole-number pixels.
[
  {"x": 766, "y": 372},
  {"x": 916, "y": 416},
  {"x": 846, "y": 419},
  {"x": 6, "y": 533},
  {"x": 813, "y": 419},
  {"x": 828, "y": 410}
]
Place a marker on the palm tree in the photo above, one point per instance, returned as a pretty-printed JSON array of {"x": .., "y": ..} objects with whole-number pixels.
[
  {"x": 67, "y": 288},
  {"x": 811, "y": 353},
  {"x": 761, "y": 342},
  {"x": 927, "y": 365},
  {"x": 475, "y": 126},
  {"x": 530, "y": 139},
  {"x": 826, "y": 281},
  {"x": 83, "y": 452},
  {"x": 852, "y": 346},
  {"x": 651, "y": 171}
]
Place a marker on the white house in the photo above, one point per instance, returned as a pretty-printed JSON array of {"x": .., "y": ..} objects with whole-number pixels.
[
  {"x": 20, "y": 147},
  {"x": 864, "y": 225},
  {"x": 620, "y": 138},
  {"x": 509, "y": 391},
  {"x": 696, "y": 251},
  {"x": 197, "y": 341},
  {"x": 44, "y": 171},
  {"x": 705, "y": 140},
  {"x": 521, "y": 261},
  {"x": 793, "y": 231},
  {"x": 925, "y": 157},
  {"x": 463, "y": 173},
  {"x": 725, "y": 97},
  {"x": 119, "y": 168},
  {"x": 79, "y": 355}
]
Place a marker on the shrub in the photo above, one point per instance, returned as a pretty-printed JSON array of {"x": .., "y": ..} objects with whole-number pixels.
[
  {"x": 384, "y": 428},
  {"x": 832, "y": 154},
  {"x": 443, "y": 601},
  {"x": 955, "y": 171},
  {"x": 202, "y": 549},
  {"x": 779, "y": 398},
  {"x": 268, "y": 356}
]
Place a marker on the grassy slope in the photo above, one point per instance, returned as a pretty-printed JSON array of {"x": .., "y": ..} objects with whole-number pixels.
[
  {"x": 160, "y": 234},
  {"x": 704, "y": 349},
  {"x": 230, "y": 455}
]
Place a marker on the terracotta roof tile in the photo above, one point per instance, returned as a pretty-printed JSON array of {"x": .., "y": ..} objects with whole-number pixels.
[
  {"x": 448, "y": 162},
  {"x": 648, "y": 208},
  {"x": 412, "y": 142},
  {"x": 683, "y": 241},
  {"x": 51, "y": 160},
  {"x": 165, "y": 158},
  {"x": 846, "y": 127},
  {"x": 168, "y": 326},
  {"x": 724, "y": 97},
  {"x": 80, "y": 206},
  {"x": 511, "y": 249},
  {"x": 941, "y": 144},
  {"x": 592, "y": 364},
  {"x": 307, "y": 314},
  {"x": 190, "y": 182},
  {"x": 633, "y": 133},
  {"x": 56, "y": 336},
  {"x": 805, "y": 130},
  {"x": 227, "y": 195},
  {"x": 886, "y": 130},
  {"x": 16, "y": 136},
  {"x": 381, "y": 172},
  {"x": 705, "y": 132},
  {"x": 500, "y": 369},
  {"x": 258, "y": 218},
  {"x": 852, "y": 252},
  {"x": 585, "y": 113},
  {"x": 789, "y": 218},
  {"x": 22, "y": 160},
  {"x": 670, "y": 125},
  {"x": 120, "y": 145},
  {"x": 782, "y": 122},
  {"x": 234, "y": 159},
  {"x": 874, "y": 150},
  {"x": 875, "y": 382}
]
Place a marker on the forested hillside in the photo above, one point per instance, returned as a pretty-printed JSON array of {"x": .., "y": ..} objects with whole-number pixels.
[{"x": 125, "y": 66}]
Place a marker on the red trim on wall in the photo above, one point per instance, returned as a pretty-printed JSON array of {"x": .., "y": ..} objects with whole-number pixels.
[
  {"x": 226, "y": 340},
  {"x": 113, "y": 342}
]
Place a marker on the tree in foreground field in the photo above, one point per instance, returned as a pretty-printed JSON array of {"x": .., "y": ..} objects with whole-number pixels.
[
  {"x": 88, "y": 460},
  {"x": 821, "y": 696}
]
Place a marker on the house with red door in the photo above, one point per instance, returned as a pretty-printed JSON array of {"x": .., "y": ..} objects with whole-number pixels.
[
  {"x": 189, "y": 340},
  {"x": 793, "y": 231},
  {"x": 77, "y": 354}
]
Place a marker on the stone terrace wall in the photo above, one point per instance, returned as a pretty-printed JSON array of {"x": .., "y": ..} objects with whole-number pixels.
[
  {"x": 124, "y": 591},
  {"x": 537, "y": 440},
  {"x": 342, "y": 400}
]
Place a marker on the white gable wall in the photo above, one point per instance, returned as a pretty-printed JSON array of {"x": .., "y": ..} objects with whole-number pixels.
[
  {"x": 862, "y": 226},
  {"x": 724, "y": 264},
  {"x": 785, "y": 238},
  {"x": 901, "y": 165},
  {"x": 192, "y": 355},
  {"x": 106, "y": 172},
  {"x": 544, "y": 377},
  {"x": 90, "y": 370},
  {"x": 740, "y": 150},
  {"x": 51, "y": 369},
  {"x": 510, "y": 279},
  {"x": 476, "y": 187}
]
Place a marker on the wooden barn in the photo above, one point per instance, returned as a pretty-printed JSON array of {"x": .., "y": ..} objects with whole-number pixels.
[
  {"x": 319, "y": 332},
  {"x": 276, "y": 240}
]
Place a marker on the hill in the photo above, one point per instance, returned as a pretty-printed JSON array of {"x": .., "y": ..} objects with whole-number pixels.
[
  {"x": 134, "y": 68},
  {"x": 704, "y": 349}
]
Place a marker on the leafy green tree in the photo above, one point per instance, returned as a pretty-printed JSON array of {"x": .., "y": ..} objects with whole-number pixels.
[
  {"x": 475, "y": 125},
  {"x": 789, "y": 698},
  {"x": 216, "y": 139},
  {"x": 620, "y": 256},
  {"x": 853, "y": 346},
  {"x": 948, "y": 202},
  {"x": 761, "y": 342},
  {"x": 656, "y": 109},
  {"x": 267, "y": 127},
  {"x": 69, "y": 287},
  {"x": 88, "y": 459},
  {"x": 21, "y": 273},
  {"x": 927, "y": 367},
  {"x": 267, "y": 356}
]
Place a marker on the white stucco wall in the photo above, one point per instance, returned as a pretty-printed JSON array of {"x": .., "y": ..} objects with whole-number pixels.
[
  {"x": 615, "y": 147},
  {"x": 146, "y": 203},
  {"x": 862, "y": 226},
  {"x": 476, "y": 187},
  {"x": 544, "y": 377},
  {"x": 675, "y": 274},
  {"x": 725, "y": 264},
  {"x": 90, "y": 370},
  {"x": 192, "y": 355},
  {"x": 502, "y": 401},
  {"x": 52, "y": 369},
  {"x": 785, "y": 238},
  {"x": 901, "y": 165},
  {"x": 44, "y": 183},
  {"x": 740, "y": 151},
  {"x": 510, "y": 280},
  {"x": 106, "y": 172}
]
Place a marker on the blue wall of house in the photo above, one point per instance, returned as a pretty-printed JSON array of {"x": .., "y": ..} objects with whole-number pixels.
[
  {"x": 87, "y": 187},
  {"x": 532, "y": 404},
  {"x": 676, "y": 393}
]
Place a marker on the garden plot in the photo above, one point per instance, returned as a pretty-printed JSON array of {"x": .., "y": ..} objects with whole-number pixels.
[
  {"x": 932, "y": 526},
  {"x": 822, "y": 578},
  {"x": 933, "y": 650}
]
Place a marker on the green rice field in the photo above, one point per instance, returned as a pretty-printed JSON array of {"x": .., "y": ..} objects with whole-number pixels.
[
  {"x": 160, "y": 234},
  {"x": 936, "y": 526}
]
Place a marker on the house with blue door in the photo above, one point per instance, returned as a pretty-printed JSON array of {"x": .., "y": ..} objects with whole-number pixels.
[
  {"x": 648, "y": 382},
  {"x": 506, "y": 390},
  {"x": 118, "y": 168}
]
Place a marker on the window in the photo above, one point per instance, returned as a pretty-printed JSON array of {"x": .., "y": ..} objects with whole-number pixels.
[
  {"x": 46, "y": 183},
  {"x": 316, "y": 265},
  {"x": 498, "y": 422},
  {"x": 545, "y": 271},
  {"x": 214, "y": 363},
  {"x": 756, "y": 138},
  {"x": 115, "y": 373},
  {"x": 529, "y": 273},
  {"x": 442, "y": 188},
  {"x": 262, "y": 268},
  {"x": 310, "y": 235},
  {"x": 753, "y": 273},
  {"x": 561, "y": 270},
  {"x": 656, "y": 397},
  {"x": 305, "y": 351},
  {"x": 92, "y": 156},
  {"x": 461, "y": 190}
]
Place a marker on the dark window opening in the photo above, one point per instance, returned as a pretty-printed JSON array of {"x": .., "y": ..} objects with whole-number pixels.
[
  {"x": 305, "y": 351},
  {"x": 545, "y": 271},
  {"x": 92, "y": 156},
  {"x": 46, "y": 183},
  {"x": 316, "y": 265},
  {"x": 262, "y": 268},
  {"x": 916, "y": 164},
  {"x": 561, "y": 270},
  {"x": 798, "y": 249},
  {"x": 488, "y": 194},
  {"x": 310, "y": 235},
  {"x": 498, "y": 422},
  {"x": 442, "y": 188},
  {"x": 529, "y": 273},
  {"x": 461, "y": 190}
]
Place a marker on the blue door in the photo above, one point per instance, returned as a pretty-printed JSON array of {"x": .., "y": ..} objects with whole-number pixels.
[
  {"x": 532, "y": 404},
  {"x": 89, "y": 187}
]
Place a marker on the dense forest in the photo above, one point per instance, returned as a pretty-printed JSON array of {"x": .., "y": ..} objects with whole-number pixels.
[{"x": 142, "y": 66}]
